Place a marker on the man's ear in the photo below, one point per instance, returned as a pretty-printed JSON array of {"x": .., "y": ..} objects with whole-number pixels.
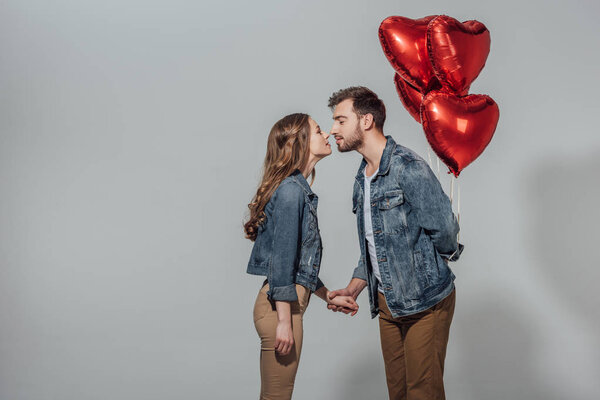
[{"x": 368, "y": 121}]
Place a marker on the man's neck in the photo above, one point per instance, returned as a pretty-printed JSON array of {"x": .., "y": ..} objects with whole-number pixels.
[{"x": 372, "y": 149}]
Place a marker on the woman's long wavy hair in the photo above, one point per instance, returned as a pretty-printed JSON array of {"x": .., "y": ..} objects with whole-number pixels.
[{"x": 287, "y": 150}]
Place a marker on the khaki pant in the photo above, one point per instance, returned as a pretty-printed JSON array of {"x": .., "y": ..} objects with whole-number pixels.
[
  {"x": 414, "y": 350},
  {"x": 277, "y": 373}
]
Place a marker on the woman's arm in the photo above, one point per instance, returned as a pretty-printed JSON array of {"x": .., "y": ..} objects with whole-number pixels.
[
  {"x": 284, "y": 336},
  {"x": 288, "y": 206}
]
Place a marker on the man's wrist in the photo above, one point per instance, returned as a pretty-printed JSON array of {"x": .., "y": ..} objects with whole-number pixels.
[{"x": 355, "y": 286}]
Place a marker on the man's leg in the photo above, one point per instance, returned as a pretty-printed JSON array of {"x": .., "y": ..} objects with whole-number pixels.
[
  {"x": 425, "y": 350},
  {"x": 392, "y": 347}
]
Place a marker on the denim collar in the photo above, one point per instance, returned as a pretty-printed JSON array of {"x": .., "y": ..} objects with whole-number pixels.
[
  {"x": 301, "y": 180},
  {"x": 384, "y": 162}
]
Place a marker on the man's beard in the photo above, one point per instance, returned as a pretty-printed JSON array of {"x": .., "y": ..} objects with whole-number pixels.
[{"x": 352, "y": 142}]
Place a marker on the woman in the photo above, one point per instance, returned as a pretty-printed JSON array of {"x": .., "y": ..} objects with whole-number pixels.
[{"x": 287, "y": 249}]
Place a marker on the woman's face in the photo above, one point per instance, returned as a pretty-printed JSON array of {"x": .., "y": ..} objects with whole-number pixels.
[{"x": 319, "y": 143}]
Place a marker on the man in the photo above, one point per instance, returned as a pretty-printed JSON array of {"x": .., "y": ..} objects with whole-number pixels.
[{"x": 407, "y": 234}]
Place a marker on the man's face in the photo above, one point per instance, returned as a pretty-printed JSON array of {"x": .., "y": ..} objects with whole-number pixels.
[{"x": 346, "y": 127}]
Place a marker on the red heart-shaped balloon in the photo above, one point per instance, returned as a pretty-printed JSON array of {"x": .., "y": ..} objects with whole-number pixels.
[
  {"x": 404, "y": 42},
  {"x": 411, "y": 98},
  {"x": 458, "y": 128},
  {"x": 457, "y": 51}
]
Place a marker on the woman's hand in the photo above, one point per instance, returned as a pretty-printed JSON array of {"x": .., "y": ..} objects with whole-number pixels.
[
  {"x": 284, "y": 338},
  {"x": 284, "y": 335}
]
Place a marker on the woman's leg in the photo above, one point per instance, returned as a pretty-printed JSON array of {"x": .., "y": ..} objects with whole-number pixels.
[{"x": 277, "y": 372}]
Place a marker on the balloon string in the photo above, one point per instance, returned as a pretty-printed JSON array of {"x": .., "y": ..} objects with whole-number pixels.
[
  {"x": 457, "y": 211},
  {"x": 429, "y": 157},
  {"x": 438, "y": 169},
  {"x": 452, "y": 189}
]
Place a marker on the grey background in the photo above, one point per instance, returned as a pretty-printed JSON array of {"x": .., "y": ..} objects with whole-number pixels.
[{"x": 131, "y": 139}]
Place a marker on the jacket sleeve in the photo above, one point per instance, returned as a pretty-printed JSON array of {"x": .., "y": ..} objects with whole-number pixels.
[
  {"x": 320, "y": 284},
  {"x": 288, "y": 207},
  {"x": 360, "y": 271},
  {"x": 433, "y": 208}
]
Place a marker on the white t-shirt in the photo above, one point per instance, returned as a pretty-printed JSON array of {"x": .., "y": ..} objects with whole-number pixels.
[{"x": 369, "y": 229}]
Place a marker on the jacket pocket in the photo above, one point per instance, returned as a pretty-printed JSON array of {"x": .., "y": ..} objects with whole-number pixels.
[
  {"x": 392, "y": 213},
  {"x": 391, "y": 199},
  {"x": 421, "y": 276}
]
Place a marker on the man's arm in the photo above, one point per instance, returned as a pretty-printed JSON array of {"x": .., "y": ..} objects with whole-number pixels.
[{"x": 434, "y": 213}]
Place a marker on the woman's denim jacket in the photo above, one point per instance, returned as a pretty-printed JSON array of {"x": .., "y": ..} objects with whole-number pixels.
[
  {"x": 415, "y": 233},
  {"x": 288, "y": 246}
]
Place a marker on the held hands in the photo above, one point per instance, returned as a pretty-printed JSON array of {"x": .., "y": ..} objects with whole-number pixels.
[{"x": 342, "y": 300}]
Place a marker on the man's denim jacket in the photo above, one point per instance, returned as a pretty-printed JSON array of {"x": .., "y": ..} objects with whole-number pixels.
[
  {"x": 415, "y": 233},
  {"x": 288, "y": 246}
]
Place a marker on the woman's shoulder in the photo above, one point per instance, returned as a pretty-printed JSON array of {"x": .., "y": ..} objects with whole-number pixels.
[{"x": 289, "y": 190}]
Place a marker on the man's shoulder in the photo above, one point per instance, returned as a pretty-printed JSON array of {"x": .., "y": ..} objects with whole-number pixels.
[
  {"x": 403, "y": 155},
  {"x": 409, "y": 165}
]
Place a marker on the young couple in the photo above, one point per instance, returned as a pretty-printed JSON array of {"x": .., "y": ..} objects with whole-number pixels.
[{"x": 407, "y": 234}]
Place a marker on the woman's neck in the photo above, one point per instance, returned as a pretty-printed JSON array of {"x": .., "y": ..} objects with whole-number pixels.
[{"x": 309, "y": 167}]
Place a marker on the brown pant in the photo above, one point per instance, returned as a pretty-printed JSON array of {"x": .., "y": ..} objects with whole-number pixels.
[
  {"x": 414, "y": 349},
  {"x": 277, "y": 373}
]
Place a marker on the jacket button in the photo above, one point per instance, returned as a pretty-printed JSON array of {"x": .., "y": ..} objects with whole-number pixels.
[
  {"x": 377, "y": 231},
  {"x": 382, "y": 259},
  {"x": 373, "y": 204}
]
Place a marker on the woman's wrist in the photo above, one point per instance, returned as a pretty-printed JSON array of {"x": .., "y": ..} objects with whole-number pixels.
[
  {"x": 284, "y": 318},
  {"x": 323, "y": 293},
  {"x": 284, "y": 312}
]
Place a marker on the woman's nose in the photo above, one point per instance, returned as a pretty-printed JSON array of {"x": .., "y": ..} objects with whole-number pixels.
[{"x": 327, "y": 134}]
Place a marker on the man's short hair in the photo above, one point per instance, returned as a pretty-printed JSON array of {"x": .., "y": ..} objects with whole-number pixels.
[{"x": 364, "y": 101}]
